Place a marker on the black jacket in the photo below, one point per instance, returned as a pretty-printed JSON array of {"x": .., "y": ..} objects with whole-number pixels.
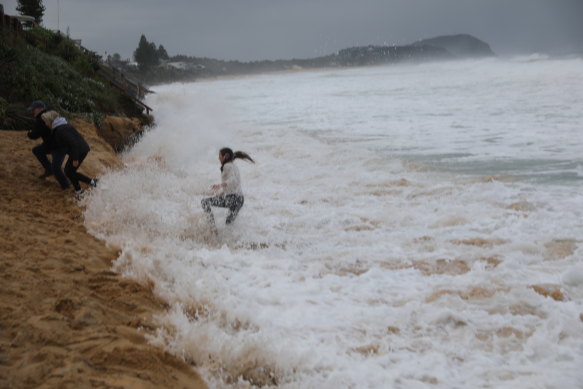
[
  {"x": 70, "y": 141},
  {"x": 40, "y": 130}
]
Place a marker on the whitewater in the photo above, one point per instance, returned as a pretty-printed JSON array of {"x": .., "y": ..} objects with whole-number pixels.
[{"x": 406, "y": 226}]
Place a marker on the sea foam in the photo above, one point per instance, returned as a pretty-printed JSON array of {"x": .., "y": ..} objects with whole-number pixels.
[{"x": 399, "y": 226}]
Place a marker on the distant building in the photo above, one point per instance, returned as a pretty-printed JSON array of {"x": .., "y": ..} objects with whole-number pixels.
[
  {"x": 182, "y": 65},
  {"x": 176, "y": 65},
  {"x": 27, "y": 22},
  {"x": 15, "y": 23}
]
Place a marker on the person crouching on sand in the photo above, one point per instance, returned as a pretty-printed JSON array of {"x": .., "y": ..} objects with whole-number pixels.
[
  {"x": 72, "y": 143},
  {"x": 230, "y": 192},
  {"x": 40, "y": 130}
]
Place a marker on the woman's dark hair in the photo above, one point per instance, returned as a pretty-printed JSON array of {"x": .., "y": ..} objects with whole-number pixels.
[{"x": 230, "y": 156}]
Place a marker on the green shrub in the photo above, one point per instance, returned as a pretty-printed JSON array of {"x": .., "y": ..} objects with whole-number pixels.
[{"x": 48, "y": 66}]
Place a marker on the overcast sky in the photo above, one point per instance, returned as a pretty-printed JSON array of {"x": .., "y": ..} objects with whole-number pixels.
[{"x": 283, "y": 29}]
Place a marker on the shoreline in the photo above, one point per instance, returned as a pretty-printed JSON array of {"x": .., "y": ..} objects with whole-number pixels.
[
  {"x": 250, "y": 75},
  {"x": 66, "y": 319}
]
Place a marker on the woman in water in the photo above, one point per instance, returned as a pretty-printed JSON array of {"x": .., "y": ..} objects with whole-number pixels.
[{"x": 230, "y": 193}]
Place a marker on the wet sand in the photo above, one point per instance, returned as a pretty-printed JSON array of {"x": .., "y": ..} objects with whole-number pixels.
[{"x": 66, "y": 320}]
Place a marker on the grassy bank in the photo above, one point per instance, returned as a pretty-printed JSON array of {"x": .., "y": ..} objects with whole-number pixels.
[{"x": 43, "y": 65}]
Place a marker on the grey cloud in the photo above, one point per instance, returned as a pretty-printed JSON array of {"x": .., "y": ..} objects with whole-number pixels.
[{"x": 272, "y": 29}]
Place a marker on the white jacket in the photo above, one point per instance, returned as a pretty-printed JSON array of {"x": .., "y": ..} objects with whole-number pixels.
[
  {"x": 232, "y": 178},
  {"x": 58, "y": 122}
]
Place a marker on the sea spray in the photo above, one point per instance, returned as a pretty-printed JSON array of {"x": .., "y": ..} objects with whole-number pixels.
[{"x": 404, "y": 226}]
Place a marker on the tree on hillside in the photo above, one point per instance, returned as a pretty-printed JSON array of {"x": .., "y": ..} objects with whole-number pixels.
[
  {"x": 162, "y": 53},
  {"x": 34, "y": 8},
  {"x": 113, "y": 59},
  {"x": 146, "y": 55}
]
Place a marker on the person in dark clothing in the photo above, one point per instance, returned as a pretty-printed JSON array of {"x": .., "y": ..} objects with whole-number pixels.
[
  {"x": 69, "y": 141},
  {"x": 40, "y": 130}
]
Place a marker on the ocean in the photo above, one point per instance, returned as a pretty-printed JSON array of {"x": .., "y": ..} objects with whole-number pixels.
[{"x": 405, "y": 226}]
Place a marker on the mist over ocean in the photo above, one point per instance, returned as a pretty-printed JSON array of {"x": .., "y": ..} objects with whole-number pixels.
[{"x": 411, "y": 226}]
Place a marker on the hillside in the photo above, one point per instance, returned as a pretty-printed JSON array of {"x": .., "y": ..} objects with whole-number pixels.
[
  {"x": 460, "y": 46},
  {"x": 39, "y": 64},
  {"x": 185, "y": 68}
]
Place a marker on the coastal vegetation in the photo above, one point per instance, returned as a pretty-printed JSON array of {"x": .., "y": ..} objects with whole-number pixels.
[
  {"x": 155, "y": 66},
  {"x": 39, "y": 64}
]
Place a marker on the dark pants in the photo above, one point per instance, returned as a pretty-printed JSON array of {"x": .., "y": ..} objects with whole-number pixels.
[
  {"x": 73, "y": 175},
  {"x": 232, "y": 201},
  {"x": 41, "y": 151}
]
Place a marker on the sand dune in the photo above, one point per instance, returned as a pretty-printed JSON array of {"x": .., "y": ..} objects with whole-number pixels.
[{"x": 67, "y": 321}]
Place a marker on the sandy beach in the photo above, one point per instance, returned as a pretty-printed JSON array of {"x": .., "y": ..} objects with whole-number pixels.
[{"x": 66, "y": 320}]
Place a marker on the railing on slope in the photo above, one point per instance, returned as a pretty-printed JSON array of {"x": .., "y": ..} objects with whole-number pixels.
[{"x": 132, "y": 88}]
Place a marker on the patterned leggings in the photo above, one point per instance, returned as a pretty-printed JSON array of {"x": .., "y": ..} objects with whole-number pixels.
[{"x": 232, "y": 201}]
